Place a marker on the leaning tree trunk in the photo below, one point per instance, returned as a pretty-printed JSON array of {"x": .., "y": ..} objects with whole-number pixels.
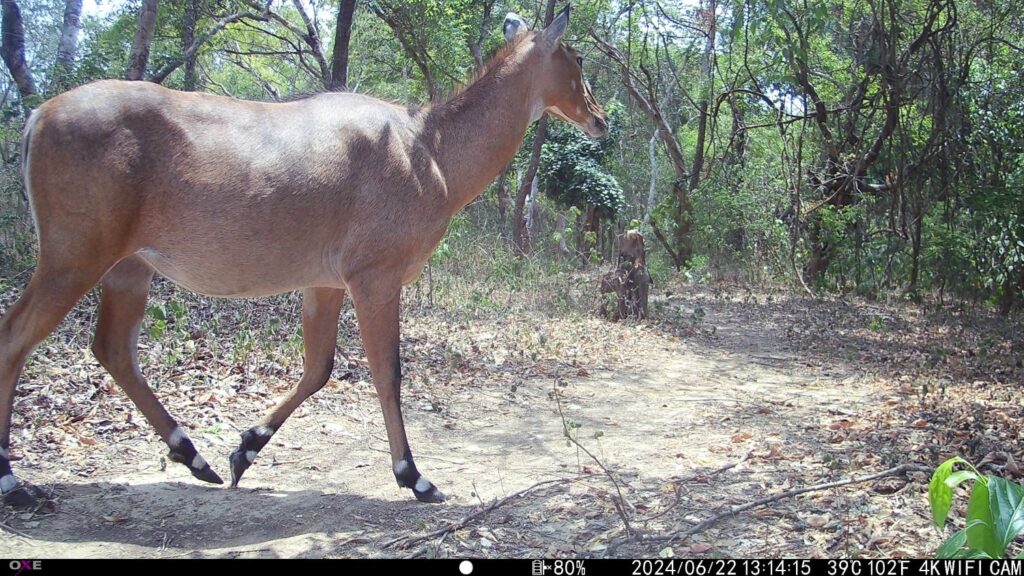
[
  {"x": 12, "y": 49},
  {"x": 476, "y": 43},
  {"x": 520, "y": 232},
  {"x": 139, "y": 56}
]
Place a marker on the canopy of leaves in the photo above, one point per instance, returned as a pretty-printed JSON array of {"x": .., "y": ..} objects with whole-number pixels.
[{"x": 572, "y": 171}]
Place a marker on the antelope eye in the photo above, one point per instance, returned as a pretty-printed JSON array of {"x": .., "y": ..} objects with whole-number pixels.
[{"x": 579, "y": 60}]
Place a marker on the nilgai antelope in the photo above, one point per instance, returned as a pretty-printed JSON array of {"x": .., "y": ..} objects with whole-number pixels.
[{"x": 331, "y": 194}]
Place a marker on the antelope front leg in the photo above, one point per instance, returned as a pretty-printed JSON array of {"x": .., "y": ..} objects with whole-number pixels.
[
  {"x": 377, "y": 311},
  {"x": 320, "y": 310}
]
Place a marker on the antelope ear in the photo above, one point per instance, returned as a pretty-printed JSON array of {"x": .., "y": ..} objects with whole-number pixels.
[
  {"x": 514, "y": 27},
  {"x": 554, "y": 31}
]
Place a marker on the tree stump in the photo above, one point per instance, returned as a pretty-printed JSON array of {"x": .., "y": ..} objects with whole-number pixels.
[{"x": 625, "y": 290}]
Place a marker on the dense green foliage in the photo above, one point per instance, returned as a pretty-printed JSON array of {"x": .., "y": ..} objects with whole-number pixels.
[
  {"x": 849, "y": 145},
  {"x": 572, "y": 167}
]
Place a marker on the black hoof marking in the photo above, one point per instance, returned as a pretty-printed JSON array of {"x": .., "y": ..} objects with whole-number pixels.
[
  {"x": 20, "y": 498},
  {"x": 183, "y": 452},
  {"x": 206, "y": 475},
  {"x": 253, "y": 440},
  {"x": 239, "y": 464}
]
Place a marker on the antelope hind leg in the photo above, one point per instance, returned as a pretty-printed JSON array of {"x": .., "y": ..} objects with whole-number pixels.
[
  {"x": 122, "y": 307},
  {"x": 50, "y": 294}
]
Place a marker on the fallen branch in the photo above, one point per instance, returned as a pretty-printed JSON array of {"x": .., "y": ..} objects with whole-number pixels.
[
  {"x": 707, "y": 523},
  {"x": 680, "y": 481},
  {"x": 407, "y": 541},
  {"x": 15, "y": 532}
]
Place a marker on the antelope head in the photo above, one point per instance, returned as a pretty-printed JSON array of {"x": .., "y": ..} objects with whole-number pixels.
[{"x": 558, "y": 69}]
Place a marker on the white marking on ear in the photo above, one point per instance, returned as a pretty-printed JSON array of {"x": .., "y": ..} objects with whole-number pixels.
[
  {"x": 264, "y": 431},
  {"x": 422, "y": 485},
  {"x": 198, "y": 463},
  {"x": 177, "y": 437},
  {"x": 400, "y": 467},
  {"x": 7, "y": 483},
  {"x": 250, "y": 455},
  {"x": 514, "y": 27}
]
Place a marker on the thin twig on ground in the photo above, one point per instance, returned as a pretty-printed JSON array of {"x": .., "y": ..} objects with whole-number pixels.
[
  {"x": 15, "y": 532},
  {"x": 680, "y": 481},
  {"x": 407, "y": 541},
  {"x": 734, "y": 510},
  {"x": 620, "y": 504}
]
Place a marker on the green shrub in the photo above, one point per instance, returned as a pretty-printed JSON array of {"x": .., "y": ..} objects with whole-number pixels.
[{"x": 995, "y": 512}]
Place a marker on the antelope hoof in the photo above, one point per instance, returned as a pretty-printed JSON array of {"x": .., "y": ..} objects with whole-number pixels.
[
  {"x": 183, "y": 452},
  {"x": 20, "y": 498},
  {"x": 196, "y": 464},
  {"x": 431, "y": 496},
  {"x": 239, "y": 464},
  {"x": 206, "y": 475},
  {"x": 425, "y": 491},
  {"x": 253, "y": 440}
]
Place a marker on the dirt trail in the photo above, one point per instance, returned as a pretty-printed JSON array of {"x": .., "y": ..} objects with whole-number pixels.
[{"x": 323, "y": 487}]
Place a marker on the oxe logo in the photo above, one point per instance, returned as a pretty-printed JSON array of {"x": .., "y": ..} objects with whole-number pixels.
[{"x": 23, "y": 567}]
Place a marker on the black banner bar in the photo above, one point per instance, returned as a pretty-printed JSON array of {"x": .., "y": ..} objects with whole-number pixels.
[{"x": 540, "y": 567}]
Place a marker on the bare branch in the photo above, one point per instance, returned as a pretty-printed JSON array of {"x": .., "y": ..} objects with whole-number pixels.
[{"x": 160, "y": 75}]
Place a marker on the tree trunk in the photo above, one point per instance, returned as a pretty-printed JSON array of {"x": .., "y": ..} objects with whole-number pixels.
[
  {"x": 504, "y": 202},
  {"x": 520, "y": 232},
  {"x": 531, "y": 208},
  {"x": 12, "y": 49},
  {"x": 67, "y": 49},
  {"x": 476, "y": 43},
  {"x": 1013, "y": 289},
  {"x": 705, "y": 96},
  {"x": 560, "y": 226},
  {"x": 139, "y": 56},
  {"x": 821, "y": 254},
  {"x": 342, "y": 37},
  {"x": 684, "y": 224},
  {"x": 589, "y": 232},
  {"x": 738, "y": 133},
  {"x": 652, "y": 152},
  {"x": 188, "y": 37}
]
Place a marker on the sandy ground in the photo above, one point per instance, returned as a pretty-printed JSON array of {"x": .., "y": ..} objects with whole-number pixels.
[{"x": 679, "y": 408}]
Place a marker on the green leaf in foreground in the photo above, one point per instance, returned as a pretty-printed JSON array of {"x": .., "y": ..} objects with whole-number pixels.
[
  {"x": 1006, "y": 505},
  {"x": 940, "y": 495},
  {"x": 981, "y": 533},
  {"x": 954, "y": 546}
]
